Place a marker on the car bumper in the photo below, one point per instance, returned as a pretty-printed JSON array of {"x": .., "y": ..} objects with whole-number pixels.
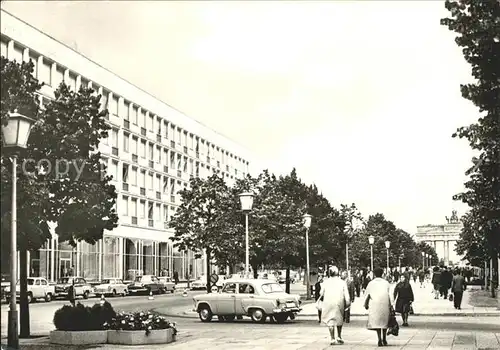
[
  {"x": 61, "y": 294},
  {"x": 137, "y": 290},
  {"x": 286, "y": 310}
]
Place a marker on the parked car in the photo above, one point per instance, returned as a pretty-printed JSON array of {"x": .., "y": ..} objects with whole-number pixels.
[
  {"x": 82, "y": 288},
  {"x": 111, "y": 286},
  {"x": 168, "y": 285},
  {"x": 38, "y": 288},
  {"x": 200, "y": 283},
  {"x": 255, "y": 298},
  {"x": 145, "y": 284}
]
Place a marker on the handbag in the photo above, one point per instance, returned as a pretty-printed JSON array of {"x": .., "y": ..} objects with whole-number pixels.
[
  {"x": 392, "y": 326},
  {"x": 450, "y": 298}
]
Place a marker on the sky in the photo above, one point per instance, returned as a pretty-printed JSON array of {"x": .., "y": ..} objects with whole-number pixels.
[{"x": 360, "y": 97}]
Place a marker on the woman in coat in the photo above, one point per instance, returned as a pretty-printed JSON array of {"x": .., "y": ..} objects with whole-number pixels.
[
  {"x": 317, "y": 293},
  {"x": 378, "y": 302},
  {"x": 403, "y": 294},
  {"x": 335, "y": 300}
]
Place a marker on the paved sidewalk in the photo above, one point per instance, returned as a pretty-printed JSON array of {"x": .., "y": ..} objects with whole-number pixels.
[{"x": 424, "y": 304}]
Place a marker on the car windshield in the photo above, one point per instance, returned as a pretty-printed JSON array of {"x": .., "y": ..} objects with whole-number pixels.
[
  {"x": 64, "y": 280},
  {"x": 272, "y": 288},
  {"x": 108, "y": 281}
]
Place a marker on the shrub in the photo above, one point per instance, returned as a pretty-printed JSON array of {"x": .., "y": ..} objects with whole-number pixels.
[
  {"x": 136, "y": 321},
  {"x": 84, "y": 318}
]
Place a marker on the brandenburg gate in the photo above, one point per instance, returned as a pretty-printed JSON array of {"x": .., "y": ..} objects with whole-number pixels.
[{"x": 443, "y": 238}]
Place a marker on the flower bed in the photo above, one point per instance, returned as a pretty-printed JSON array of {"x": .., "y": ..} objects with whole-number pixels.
[{"x": 101, "y": 324}]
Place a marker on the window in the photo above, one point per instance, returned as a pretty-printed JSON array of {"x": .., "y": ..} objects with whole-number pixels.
[
  {"x": 165, "y": 213},
  {"x": 150, "y": 181},
  {"x": 272, "y": 288},
  {"x": 158, "y": 183},
  {"x": 113, "y": 169},
  {"x": 179, "y": 162},
  {"x": 44, "y": 283},
  {"x": 151, "y": 151},
  {"x": 142, "y": 118},
  {"x": 165, "y": 127},
  {"x": 158, "y": 154},
  {"x": 158, "y": 126},
  {"x": 191, "y": 170},
  {"x": 105, "y": 140},
  {"x": 185, "y": 139},
  {"x": 133, "y": 177},
  {"x": 44, "y": 69},
  {"x": 37, "y": 282},
  {"x": 114, "y": 138},
  {"x": 134, "y": 115},
  {"x": 158, "y": 212},
  {"x": 172, "y": 131},
  {"x": 165, "y": 184},
  {"x": 18, "y": 53},
  {"x": 150, "y": 122},
  {"x": 150, "y": 210},
  {"x": 104, "y": 99},
  {"x": 125, "y": 205},
  {"x": 245, "y": 288},
  {"x": 191, "y": 141},
  {"x": 165, "y": 156},
  {"x": 125, "y": 173},
  {"x": 172, "y": 186},
  {"x": 179, "y": 135},
  {"x": 113, "y": 105},
  {"x": 142, "y": 150},
  {"x": 142, "y": 209},
  {"x": 126, "y": 139},
  {"x": 229, "y": 288},
  {"x": 185, "y": 166},
  {"x": 172, "y": 160},
  {"x": 135, "y": 141},
  {"x": 34, "y": 59},
  {"x": 134, "y": 207},
  {"x": 126, "y": 111},
  {"x": 142, "y": 178}
]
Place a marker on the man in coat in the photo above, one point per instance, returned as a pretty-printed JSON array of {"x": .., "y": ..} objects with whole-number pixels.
[
  {"x": 436, "y": 281},
  {"x": 336, "y": 300},
  {"x": 352, "y": 292},
  {"x": 446, "y": 279},
  {"x": 457, "y": 288}
]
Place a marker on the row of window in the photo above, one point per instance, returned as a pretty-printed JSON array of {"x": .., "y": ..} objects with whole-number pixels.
[
  {"x": 141, "y": 209},
  {"x": 52, "y": 74}
]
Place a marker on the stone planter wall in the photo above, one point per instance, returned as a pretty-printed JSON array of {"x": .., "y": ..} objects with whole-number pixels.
[
  {"x": 159, "y": 336},
  {"x": 76, "y": 338}
]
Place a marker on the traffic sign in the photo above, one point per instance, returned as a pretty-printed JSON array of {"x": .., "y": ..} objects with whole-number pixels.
[{"x": 214, "y": 278}]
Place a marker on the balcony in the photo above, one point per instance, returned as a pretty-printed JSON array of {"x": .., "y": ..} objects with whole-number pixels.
[
  {"x": 134, "y": 220},
  {"x": 172, "y": 198},
  {"x": 158, "y": 195},
  {"x": 165, "y": 169},
  {"x": 179, "y": 173},
  {"x": 158, "y": 137},
  {"x": 134, "y": 158},
  {"x": 143, "y": 131},
  {"x": 151, "y": 164},
  {"x": 114, "y": 151},
  {"x": 143, "y": 191},
  {"x": 150, "y": 222},
  {"x": 172, "y": 144},
  {"x": 126, "y": 124},
  {"x": 125, "y": 186}
]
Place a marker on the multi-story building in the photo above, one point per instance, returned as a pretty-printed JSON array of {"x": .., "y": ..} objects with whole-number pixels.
[{"x": 151, "y": 152}]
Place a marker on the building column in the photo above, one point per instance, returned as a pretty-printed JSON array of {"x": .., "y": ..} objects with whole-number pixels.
[
  {"x": 28, "y": 264},
  {"x": 78, "y": 272},
  {"x": 120, "y": 257},
  {"x": 99, "y": 258}
]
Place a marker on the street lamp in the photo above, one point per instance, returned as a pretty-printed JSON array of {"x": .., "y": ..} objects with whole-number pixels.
[
  {"x": 15, "y": 136},
  {"x": 387, "y": 246},
  {"x": 371, "y": 240},
  {"x": 423, "y": 260},
  {"x": 246, "y": 200},
  {"x": 307, "y": 225}
]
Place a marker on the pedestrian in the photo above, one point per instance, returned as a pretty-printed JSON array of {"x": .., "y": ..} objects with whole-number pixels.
[
  {"x": 396, "y": 276},
  {"x": 447, "y": 278},
  {"x": 72, "y": 292},
  {"x": 436, "y": 279},
  {"x": 378, "y": 303},
  {"x": 335, "y": 301},
  {"x": 457, "y": 288},
  {"x": 357, "y": 283},
  {"x": 352, "y": 295},
  {"x": 421, "y": 277},
  {"x": 317, "y": 292},
  {"x": 403, "y": 294},
  {"x": 176, "y": 277}
]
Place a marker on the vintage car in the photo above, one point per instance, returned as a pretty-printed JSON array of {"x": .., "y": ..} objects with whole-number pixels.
[
  {"x": 38, "y": 288},
  {"x": 200, "y": 283},
  {"x": 255, "y": 298},
  {"x": 82, "y": 288},
  {"x": 146, "y": 284},
  {"x": 111, "y": 286},
  {"x": 168, "y": 285}
]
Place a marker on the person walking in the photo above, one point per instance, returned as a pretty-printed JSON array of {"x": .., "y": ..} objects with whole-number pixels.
[
  {"x": 72, "y": 292},
  {"x": 357, "y": 283},
  {"x": 447, "y": 278},
  {"x": 336, "y": 299},
  {"x": 436, "y": 280},
  {"x": 176, "y": 277},
  {"x": 352, "y": 295},
  {"x": 403, "y": 294},
  {"x": 457, "y": 288},
  {"x": 421, "y": 277},
  {"x": 378, "y": 303},
  {"x": 317, "y": 292}
]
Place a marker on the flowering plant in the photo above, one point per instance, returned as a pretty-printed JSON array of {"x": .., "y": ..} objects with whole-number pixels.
[{"x": 136, "y": 321}]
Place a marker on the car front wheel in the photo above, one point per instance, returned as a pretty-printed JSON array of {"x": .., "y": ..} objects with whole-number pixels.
[
  {"x": 205, "y": 313},
  {"x": 258, "y": 315}
]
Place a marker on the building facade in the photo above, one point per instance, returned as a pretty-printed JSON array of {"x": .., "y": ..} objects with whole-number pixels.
[
  {"x": 443, "y": 238},
  {"x": 151, "y": 152}
]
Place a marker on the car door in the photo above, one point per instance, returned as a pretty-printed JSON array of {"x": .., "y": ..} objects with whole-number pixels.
[
  {"x": 79, "y": 286},
  {"x": 226, "y": 300},
  {"x": 36, "y": 289},
  {"x": 245, "y": 297}
]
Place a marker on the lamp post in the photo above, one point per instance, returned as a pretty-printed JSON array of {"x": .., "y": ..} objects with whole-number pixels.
[
  {"x": 371, "y": 240},
  {"x": 423, "y": 260},
  {"x": 15, "y": 137},
  {"x": 387, "y": 246},
  {"x": 307, "y": 225},
  {"x": 246, "y": 200}
]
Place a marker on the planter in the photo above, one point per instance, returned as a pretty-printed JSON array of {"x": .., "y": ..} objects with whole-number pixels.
[
  {"x": 157, "y": 336},
  {"x": 78, "y": 337}
]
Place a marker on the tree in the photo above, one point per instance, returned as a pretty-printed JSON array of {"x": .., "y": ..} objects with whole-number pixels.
[
  {"x": 204, "y": 221},
  {"x": 61, "y": 179},
  {"x": 478, "y": 29}
]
